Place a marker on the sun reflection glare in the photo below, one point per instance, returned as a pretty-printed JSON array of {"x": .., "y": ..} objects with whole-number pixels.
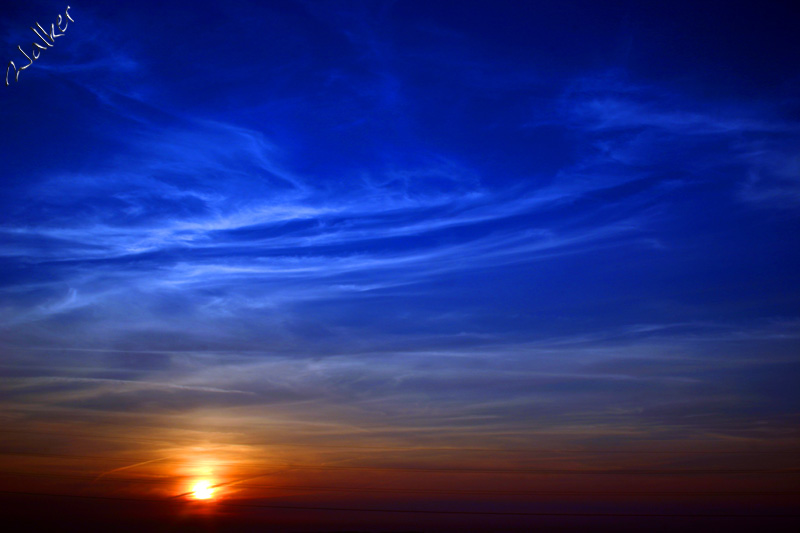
[{"x": 202, "y": 490}]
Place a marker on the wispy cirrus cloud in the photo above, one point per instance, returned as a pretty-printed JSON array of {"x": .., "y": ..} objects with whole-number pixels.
[{"x": 676, "y": 381}]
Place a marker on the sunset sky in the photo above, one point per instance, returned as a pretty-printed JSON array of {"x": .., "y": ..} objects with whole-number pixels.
[{"x": 535, "y": 261}]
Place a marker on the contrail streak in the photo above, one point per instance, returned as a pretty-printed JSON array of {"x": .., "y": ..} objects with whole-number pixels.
[{"x": 129, "y": 466}]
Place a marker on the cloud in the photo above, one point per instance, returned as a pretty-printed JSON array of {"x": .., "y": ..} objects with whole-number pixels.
[
  {"x": 675, "y": 380},
  {"x": 773, "y": 178}
]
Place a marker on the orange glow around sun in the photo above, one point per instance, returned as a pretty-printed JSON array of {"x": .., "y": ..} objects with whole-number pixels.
[{"x": 202, "y": 490}]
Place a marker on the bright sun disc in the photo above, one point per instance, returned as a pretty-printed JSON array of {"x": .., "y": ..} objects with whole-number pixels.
[{"x": 203, "y": 490}]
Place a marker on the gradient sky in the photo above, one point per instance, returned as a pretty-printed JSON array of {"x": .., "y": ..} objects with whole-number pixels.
[{"x": 455, "y": 234}]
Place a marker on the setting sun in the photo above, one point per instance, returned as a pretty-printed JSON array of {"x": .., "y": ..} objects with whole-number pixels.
[{"x": 202, "y": 490}]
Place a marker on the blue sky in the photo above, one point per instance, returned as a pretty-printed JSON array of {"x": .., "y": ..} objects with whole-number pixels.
[{"x": 434, "y": 222}]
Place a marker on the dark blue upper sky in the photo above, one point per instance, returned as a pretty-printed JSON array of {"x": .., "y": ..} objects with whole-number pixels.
[{"x": 520, "y": 212}]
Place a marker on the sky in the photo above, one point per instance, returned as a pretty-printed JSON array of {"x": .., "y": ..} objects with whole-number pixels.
[{"x": 525, "y": 256}]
